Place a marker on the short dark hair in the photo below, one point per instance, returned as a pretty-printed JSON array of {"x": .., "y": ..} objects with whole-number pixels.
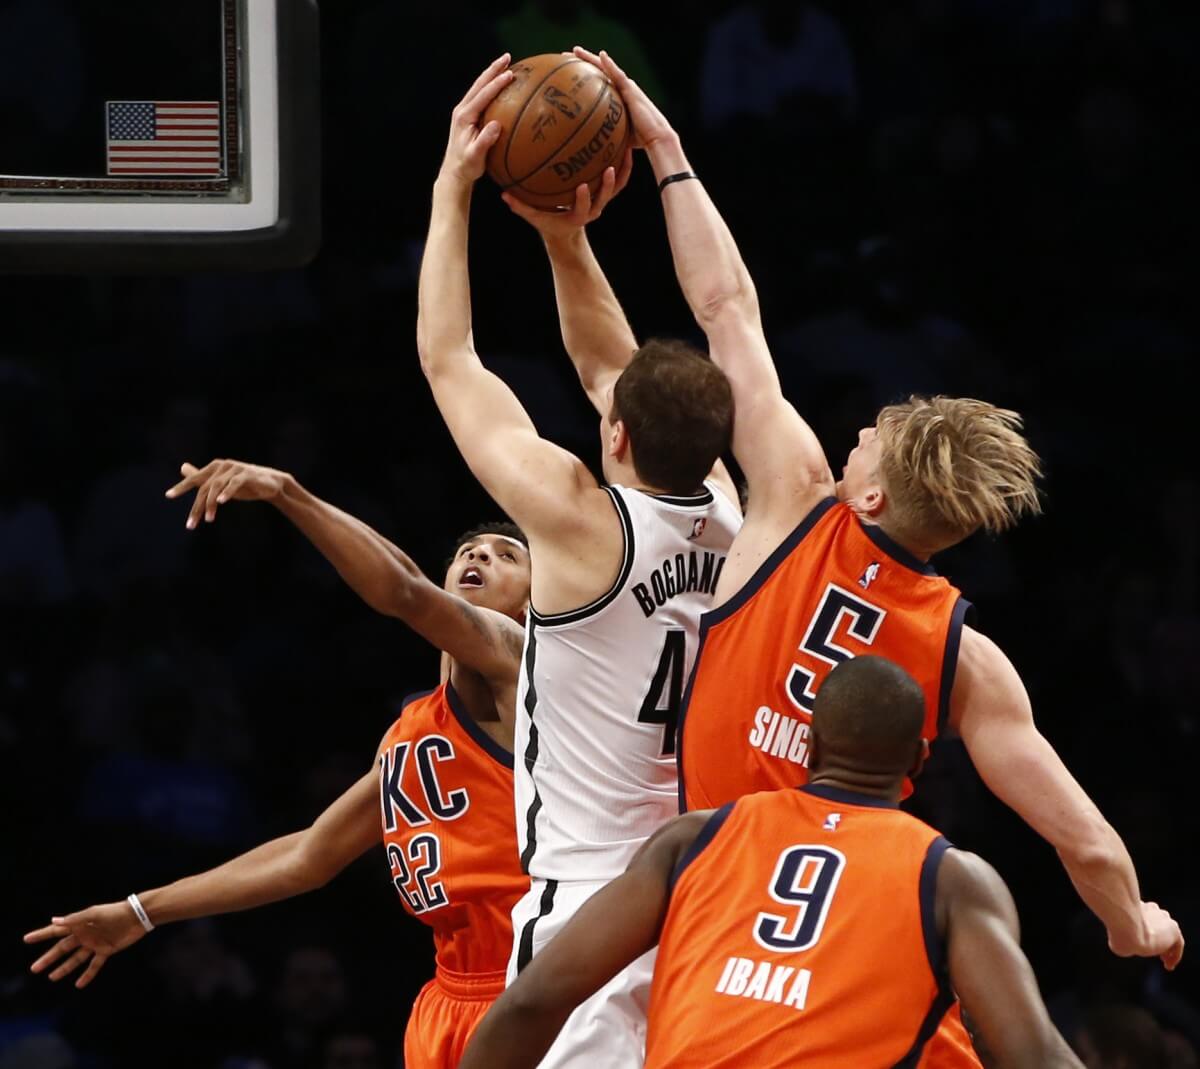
[
  {"x": 1128, "y": 1034},
  {"x": 870, "y": 710},
  {"x": 505, "y": 528},
  {"x": 677, "y": 406}
]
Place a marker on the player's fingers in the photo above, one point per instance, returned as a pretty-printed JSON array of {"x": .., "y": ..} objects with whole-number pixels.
[
  {"x": 479, "y": 101},
  {"x": 581, "y": 210},
  {"x": 199, "y": 505},
  {"x": 624, "y": 171},
  {"x": 229, "y": 491},
  {"x": 606, "y": 192},
  {"x": 89, "y": 974},
  {"x": 589, "y": 57},
  {"x": 63, "y": 946},
  {"x": 486, "y": 75},
  {"x": 71, "y": 964},
  {"x": 191, "y": 477},
  {"x": 40, "y": 935},
  {"x": 612, "y": 70}
]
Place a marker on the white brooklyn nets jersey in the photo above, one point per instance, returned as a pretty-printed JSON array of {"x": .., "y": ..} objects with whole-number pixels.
[{"x": 601, "y": 689}]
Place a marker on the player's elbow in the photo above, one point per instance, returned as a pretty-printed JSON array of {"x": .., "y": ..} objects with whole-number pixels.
[
  {"x": 725, "y": 299},
  {"x": 1092, "y": 848}
]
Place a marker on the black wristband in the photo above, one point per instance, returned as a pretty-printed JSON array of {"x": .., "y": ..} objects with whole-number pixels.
[{"x": 682, "y": 176}]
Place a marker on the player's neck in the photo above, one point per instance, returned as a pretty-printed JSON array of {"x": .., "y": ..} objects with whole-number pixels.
[
  {"x": 881, "y": 521},
  {"x": 884, "y": 786}
]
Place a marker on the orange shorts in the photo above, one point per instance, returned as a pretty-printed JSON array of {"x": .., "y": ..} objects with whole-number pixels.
[
  {"x": 951, "y": 1046},
  {"x": 445, "y": 1015}
]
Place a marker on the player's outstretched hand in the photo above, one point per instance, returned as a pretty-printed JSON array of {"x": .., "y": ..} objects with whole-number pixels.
[
  {"x": 649, "y": 124},
  {"x": 220, "y": 481},
  {"x": 89, "y": 937},
  {"x": 1161, "y": 937},
  {"x": 467, "y": 147},
  {"x": 558, "y": 224}
]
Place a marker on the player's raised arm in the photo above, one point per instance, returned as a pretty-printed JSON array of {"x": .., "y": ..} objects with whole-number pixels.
[
  {"x": 533, "y": 480},
  {"x": 990, "y": 709},
  {"x": 595, "y": 330},
  {"x": 378, "y": 571},
  {"x": 281, "y": 868},
  {"x": 989, "y": 971},
  {"x": 617, "y": 925},
  {"x": 777, "y": 450}
]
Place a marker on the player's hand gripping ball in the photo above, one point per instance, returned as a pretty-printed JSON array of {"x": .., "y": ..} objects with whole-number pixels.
[{"x": 562, "y": 123}]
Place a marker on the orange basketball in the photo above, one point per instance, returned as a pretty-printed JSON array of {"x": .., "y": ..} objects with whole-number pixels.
[{"x": 562, "y": 123}]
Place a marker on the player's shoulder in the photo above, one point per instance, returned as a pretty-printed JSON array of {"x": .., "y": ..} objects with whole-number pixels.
[{"x": 965, "y": 881}]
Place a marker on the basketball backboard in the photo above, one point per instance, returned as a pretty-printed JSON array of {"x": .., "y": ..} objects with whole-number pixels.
[{"x": 151, "y": 137}]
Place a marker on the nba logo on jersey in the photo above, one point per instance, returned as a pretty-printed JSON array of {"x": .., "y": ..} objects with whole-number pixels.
[
  {"x": 869, "y": 576},
  {"x": 698, "y": 527},
  {"x": 832, "y": 821}
]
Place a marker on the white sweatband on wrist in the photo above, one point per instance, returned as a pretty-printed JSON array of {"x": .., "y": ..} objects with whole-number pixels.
[{"x": 136, "y": 905}]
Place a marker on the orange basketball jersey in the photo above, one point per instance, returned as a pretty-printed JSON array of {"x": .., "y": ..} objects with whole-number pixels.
[
  {"x": 446, "y": 790},
  {"x": 801, "y": 931},
  {"x": 836, "y": 588}
]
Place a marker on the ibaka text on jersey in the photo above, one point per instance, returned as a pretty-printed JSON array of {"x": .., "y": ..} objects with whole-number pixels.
[{"x": 693, "y": 571}]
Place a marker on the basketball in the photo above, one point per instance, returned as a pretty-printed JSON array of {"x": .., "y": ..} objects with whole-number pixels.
[{"x": 562, "y": 123}]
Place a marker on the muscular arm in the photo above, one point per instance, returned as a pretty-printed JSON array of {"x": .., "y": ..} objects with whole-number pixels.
[
  {"x": 989, "y": 971},
  {"x": 990, "y": 709},
  {"x": 596, "y": 334},
  {"x": 281, "y": 868},
  {"x": 778, "y": 452},
  {"x": 613, "y": 928},
  {"x": 378, "y": 571},
  {"x": 533, "y": 480}
]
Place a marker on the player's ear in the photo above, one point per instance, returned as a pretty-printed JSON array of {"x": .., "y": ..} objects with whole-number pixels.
[
  {"x": 919, "y": 759},
  {"x": 873, "y": 500},
  {"x": 618, "y": 441}
]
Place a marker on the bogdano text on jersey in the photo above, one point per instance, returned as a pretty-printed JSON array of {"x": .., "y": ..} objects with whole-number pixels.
[{"x": 686, "y": 572}]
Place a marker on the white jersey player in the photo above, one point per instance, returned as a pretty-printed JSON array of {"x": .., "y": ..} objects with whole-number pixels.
[{"x": 612, "y": 635}]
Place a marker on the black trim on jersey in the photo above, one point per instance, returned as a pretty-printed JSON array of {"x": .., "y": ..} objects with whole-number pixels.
[
  {"x": 416, "y": 696},
  {"x": 471, "y": 726},
  {"x": 723, "y": 612},
  {"x": 531, "y": 753},
  {"x": 705, "y": 497},
  {"x": 575, "y": 615},
  {"x": 962, "y": 609},
  {"x": 895, "y": 550},
  {"x": 942, "y": 1002},
  {"x": 706, "y": 835},
  {"x": 935, "y": 949},
  {"x": 844, "y": 797},
  {"x": 525, "y": 949},
  {"x": 768, "y": 567}
]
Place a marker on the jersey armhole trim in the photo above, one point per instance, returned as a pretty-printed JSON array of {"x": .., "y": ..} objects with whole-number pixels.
[
  {"x": 410, "y": 699},
  {"x": 935, "y": 948},
  {"x": 476, "y": 733},
  {"x": 769, "y": 566},
  {"x": 935, "y": 951},
  {"x": 706, "y": 836},
  {"x": 605, "y": 599},
  {"x": 958, "y": 617}
]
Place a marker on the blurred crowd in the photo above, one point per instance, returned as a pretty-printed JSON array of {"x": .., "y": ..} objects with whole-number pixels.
[{"x": 981, "y": 197}]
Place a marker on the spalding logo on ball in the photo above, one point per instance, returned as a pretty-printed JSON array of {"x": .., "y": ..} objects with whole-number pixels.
[{"x": 562, "y": 123}]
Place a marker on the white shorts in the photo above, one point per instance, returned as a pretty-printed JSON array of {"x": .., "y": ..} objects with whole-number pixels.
[{"x": 608, "y": 1030}]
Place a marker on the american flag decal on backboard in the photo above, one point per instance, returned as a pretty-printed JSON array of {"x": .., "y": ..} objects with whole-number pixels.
[{"x": 164, "y": 137}]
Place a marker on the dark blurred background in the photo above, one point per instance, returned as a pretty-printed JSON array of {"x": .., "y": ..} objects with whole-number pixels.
[{"x": 982, "y": 197}]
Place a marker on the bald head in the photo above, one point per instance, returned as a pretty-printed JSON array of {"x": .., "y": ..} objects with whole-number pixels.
[{"x": 868, "y": 716}]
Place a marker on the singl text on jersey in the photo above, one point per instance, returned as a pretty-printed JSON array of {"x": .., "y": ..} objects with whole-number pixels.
[{"x": 687, "y": 572}]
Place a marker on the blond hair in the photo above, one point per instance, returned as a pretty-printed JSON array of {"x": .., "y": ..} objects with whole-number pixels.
[{"x": 950, "y": 465}]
